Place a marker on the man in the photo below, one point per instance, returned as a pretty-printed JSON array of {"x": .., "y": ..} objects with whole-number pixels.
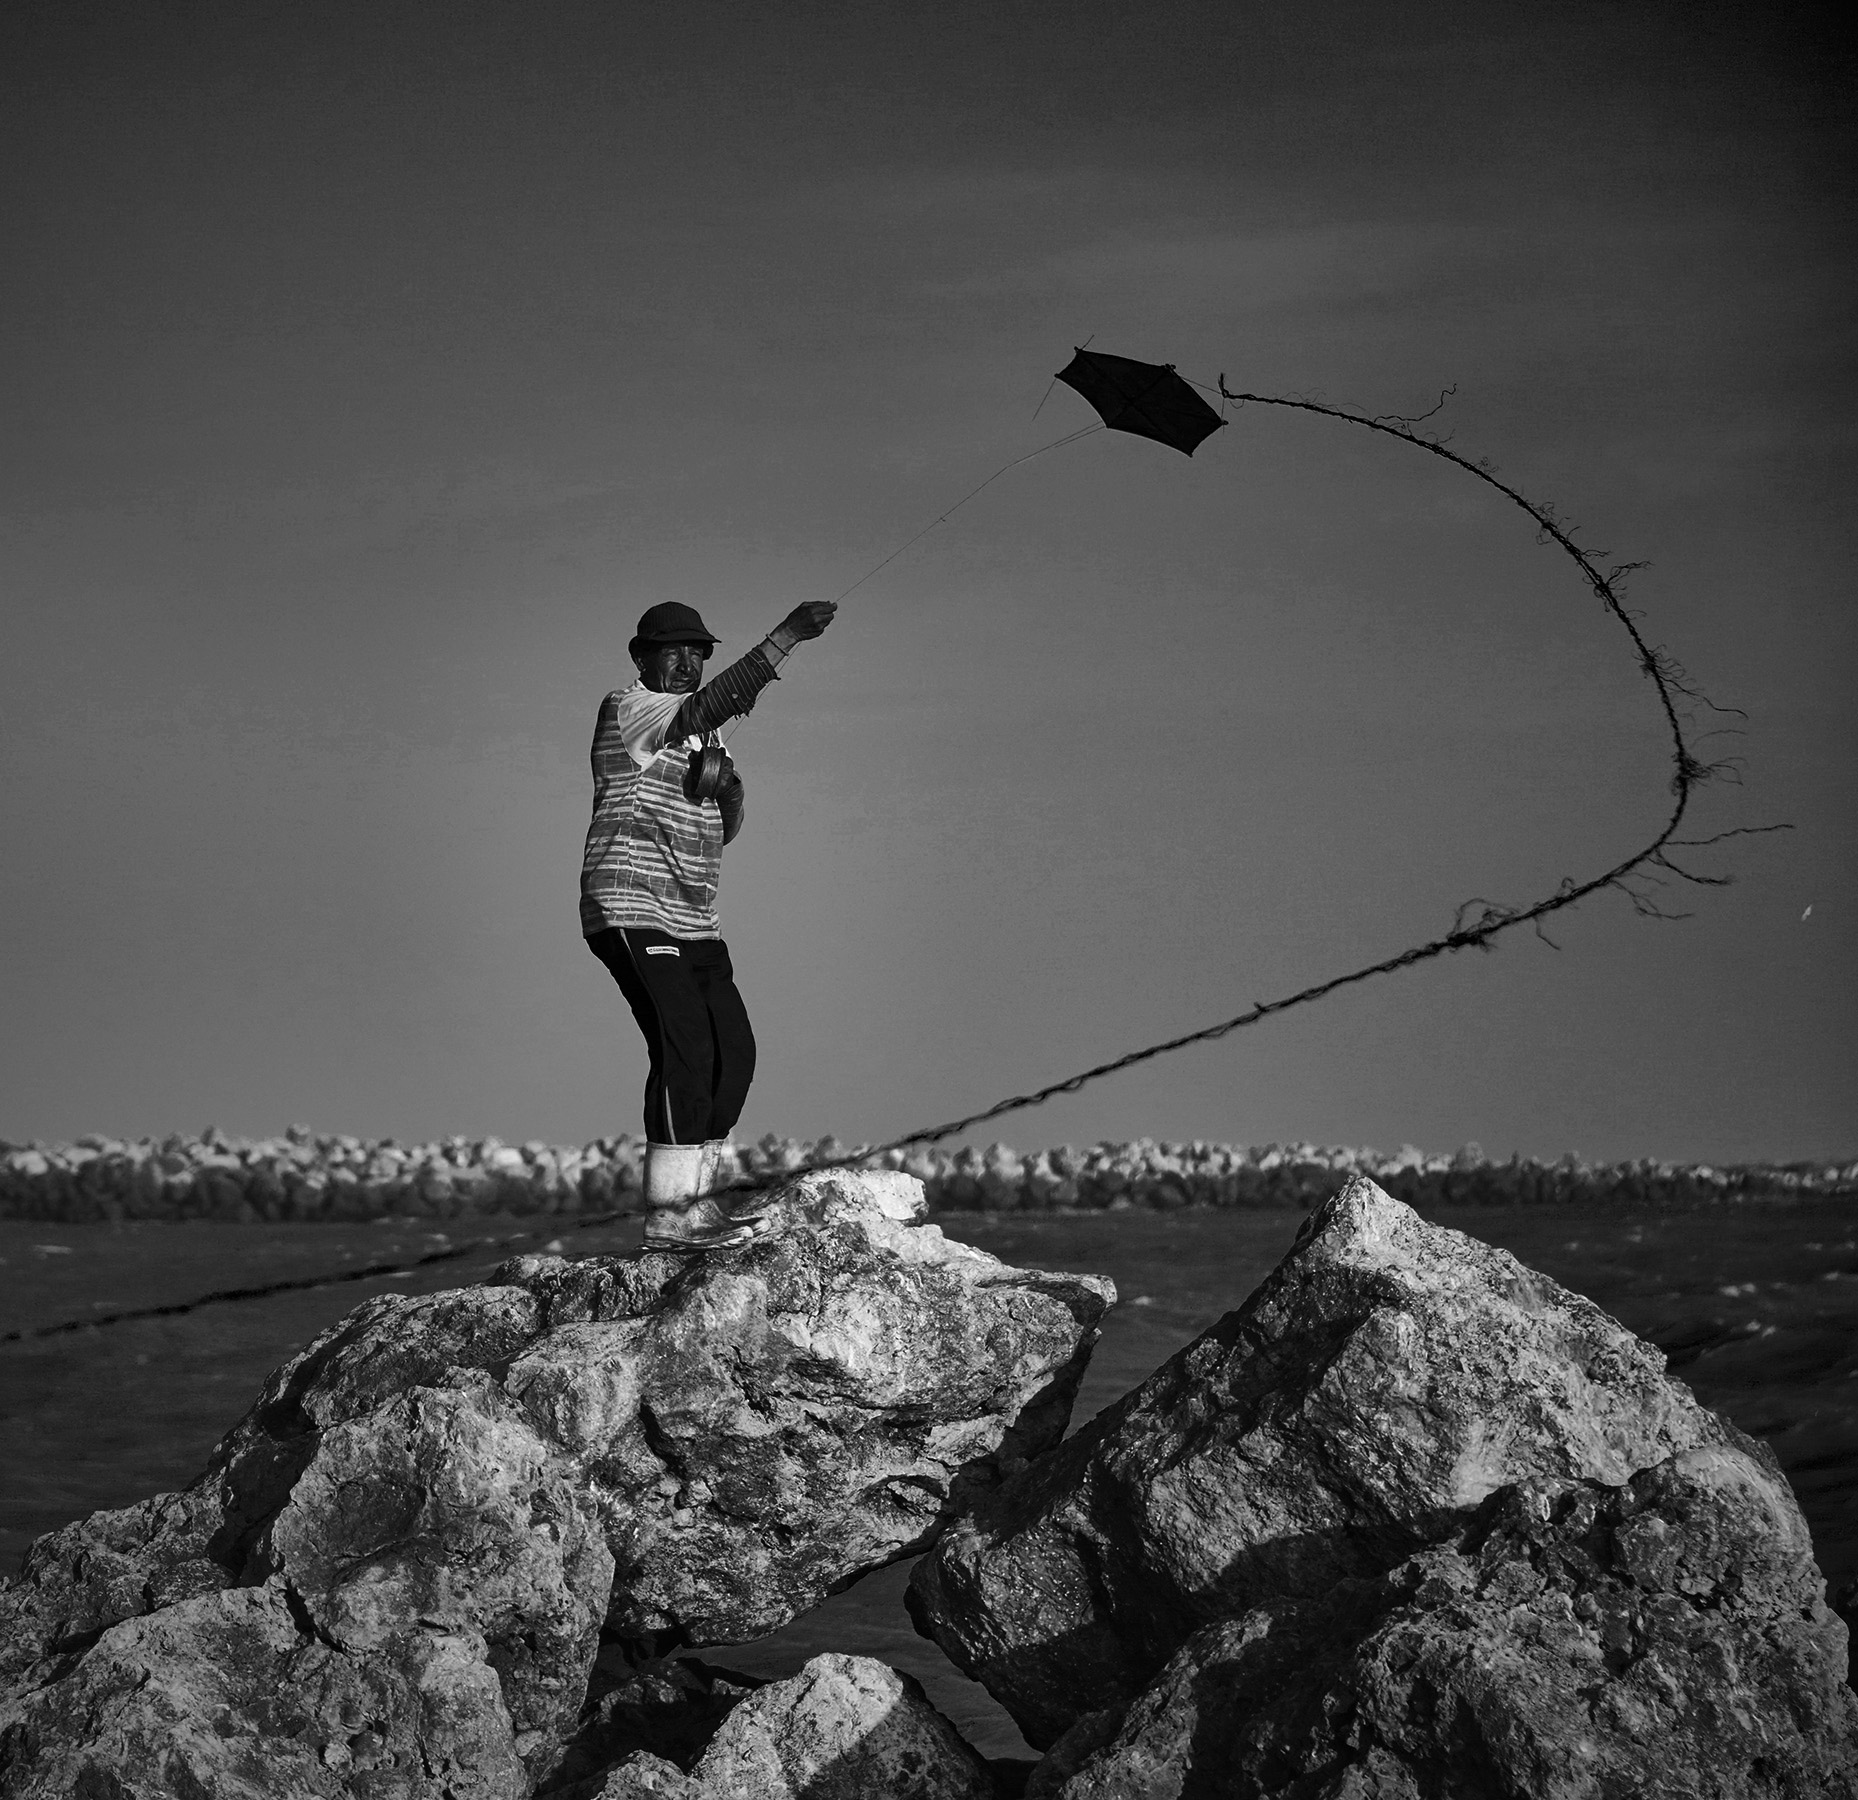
[{"x": 648, "y": 903}]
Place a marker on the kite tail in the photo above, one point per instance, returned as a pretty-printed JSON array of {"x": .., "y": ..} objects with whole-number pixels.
[{"x": 1479, "y": 922}]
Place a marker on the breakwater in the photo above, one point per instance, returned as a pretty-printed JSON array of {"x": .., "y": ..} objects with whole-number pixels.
[{"x": 304, "y": 1175}]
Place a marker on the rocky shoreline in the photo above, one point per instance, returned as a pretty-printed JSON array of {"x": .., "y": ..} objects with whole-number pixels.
[
  {"x": 1412, "y": 1520},
  {"x": 305, "y": 1176}
]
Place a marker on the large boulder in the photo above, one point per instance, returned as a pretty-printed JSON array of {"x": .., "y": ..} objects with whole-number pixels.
[
  {"x": 444, "y": 1507},
  {"x": 761, "y": 1429},
  {"x": 79, "y": 1580},
  {"x": 1665, "y": 1637},
  {"x": 1375, "y": 1389},
  {"x": 844, "y": 1728},
  {"x": 228, "y": 1696},
  {"x": 666, "y": 1451}
]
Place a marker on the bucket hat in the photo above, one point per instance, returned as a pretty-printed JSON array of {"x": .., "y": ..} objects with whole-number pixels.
[{"x": 669, "y": 622}]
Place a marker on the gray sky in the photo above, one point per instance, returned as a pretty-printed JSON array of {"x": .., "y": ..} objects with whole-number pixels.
[{"x": 370, "y": 370}]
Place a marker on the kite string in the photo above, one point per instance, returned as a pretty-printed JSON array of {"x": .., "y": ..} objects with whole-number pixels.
[{"x": 943, "y": 518}]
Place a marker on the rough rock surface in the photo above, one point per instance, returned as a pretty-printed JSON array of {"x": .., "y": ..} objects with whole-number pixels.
[
  {"x": 844, "y": 1728},
  {"x": 1667, "y": 1637},
  {"x": 774, "y": 1423},
  {"x": 227, "y": 1695},
  {"x": 451, "y": 1496},
  {"x": 446, "y": 1508},
  {"x": 1385, "y": 1379},
  {"x": 90, "y": 1574},
  {"x": 646, "y": 1774},
  {"x": 664, "y": 1712}
]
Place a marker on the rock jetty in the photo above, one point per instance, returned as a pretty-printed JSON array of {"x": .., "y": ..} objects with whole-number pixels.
[
  {"x": 305, "y": 1176},
  {"x": 1411, "y": 1521}
]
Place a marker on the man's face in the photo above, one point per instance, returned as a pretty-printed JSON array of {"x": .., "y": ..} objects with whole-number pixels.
[{"x": 673, "y": 668}]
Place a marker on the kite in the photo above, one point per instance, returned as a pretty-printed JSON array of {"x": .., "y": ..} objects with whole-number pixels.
[{"x": 1148, "y": 399}]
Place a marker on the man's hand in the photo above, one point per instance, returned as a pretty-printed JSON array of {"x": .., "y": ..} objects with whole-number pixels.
[
  {"x": 807, "y": 620},
  {"x": 730, "y": 800}
]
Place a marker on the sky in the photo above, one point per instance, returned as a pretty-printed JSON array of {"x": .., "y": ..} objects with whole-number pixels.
[{"x": 369, "y": 370}]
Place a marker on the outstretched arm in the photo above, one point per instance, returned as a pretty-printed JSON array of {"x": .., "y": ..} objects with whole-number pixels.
[{"x": 731, "y": 693}]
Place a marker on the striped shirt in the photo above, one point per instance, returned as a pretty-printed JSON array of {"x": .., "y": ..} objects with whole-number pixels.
[{"x": 654, "y": 858}]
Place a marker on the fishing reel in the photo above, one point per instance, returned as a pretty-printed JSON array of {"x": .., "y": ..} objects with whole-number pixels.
[{"x": 704, "y": 777}]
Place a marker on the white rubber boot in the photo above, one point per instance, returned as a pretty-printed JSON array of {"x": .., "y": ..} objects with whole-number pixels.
[
  {"x": 679, "y": 1217},
  {"x": 673, "y": 1176},
  {"x": 719, "y": 1175}
]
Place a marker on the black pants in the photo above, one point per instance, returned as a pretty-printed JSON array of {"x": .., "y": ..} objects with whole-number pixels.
[{"x": 682, "y": 992}]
